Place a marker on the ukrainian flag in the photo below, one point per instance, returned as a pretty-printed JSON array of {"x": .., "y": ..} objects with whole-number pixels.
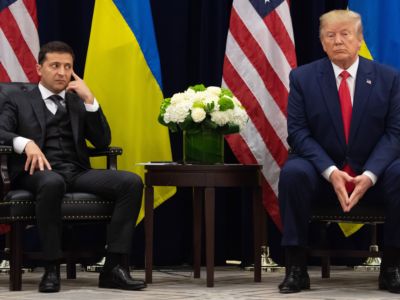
[
  {"x": 123, "y": 71},
  {"x": 381, "y": 23}
]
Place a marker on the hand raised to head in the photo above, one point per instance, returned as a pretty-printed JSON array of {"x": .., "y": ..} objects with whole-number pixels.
[{"x": 79, "y": 86}]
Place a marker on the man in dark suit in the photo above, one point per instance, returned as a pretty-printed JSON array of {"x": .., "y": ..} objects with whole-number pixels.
[
  {"x": 48, "y": 128},
  {"x": 344, "y": 135}
]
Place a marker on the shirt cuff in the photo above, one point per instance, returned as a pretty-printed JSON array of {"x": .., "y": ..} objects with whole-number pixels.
[
  {"x": 92, "y": 107},
  {"x": 327, "y": 173},
  {"x": 19, "y": 144},
  {"x": 372, "y": 176}
]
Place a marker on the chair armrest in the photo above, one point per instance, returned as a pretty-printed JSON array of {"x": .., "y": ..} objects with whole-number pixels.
[
  {"x": 93, "y": 152},
  {"x": 111, "y": 153},
  {"x": 5, "y": 179},
  {"x": 6, "y": 149}
]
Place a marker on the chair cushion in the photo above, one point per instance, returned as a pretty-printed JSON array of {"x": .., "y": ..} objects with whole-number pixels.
[
  {"x": 19, "y": 205},
  {"x": 361, "y": 213}
]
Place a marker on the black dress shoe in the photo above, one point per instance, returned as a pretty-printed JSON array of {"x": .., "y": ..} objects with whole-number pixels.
[
  {"x": 119, "y": 278},
  {"x": 389, "y": 279},
  {"x": 50, "y": 282},
  {"x": 296, "y": 279}
]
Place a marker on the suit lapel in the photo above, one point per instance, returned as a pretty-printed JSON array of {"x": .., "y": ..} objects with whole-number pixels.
[
  {"x": 38, "y": 106},
  {"x": 364, "y": 82},
  {"x": 330, "y": 94}
]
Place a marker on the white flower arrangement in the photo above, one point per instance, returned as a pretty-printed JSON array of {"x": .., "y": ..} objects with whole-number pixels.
[{"x": 200, "y": 108}]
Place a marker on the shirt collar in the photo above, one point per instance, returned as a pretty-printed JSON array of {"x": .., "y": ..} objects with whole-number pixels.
[
  {"x": 46, "y": 93},
  {"x": 352, "y": 69}
]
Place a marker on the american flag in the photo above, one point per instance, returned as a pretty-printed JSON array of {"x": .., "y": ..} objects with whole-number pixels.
[
  {"x": 259, "y": 56},
  {"x": 19, "y": 46},
  {"x": 19, "y": 41}
]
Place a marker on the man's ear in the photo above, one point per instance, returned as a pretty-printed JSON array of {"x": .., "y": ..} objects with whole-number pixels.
[{"x": 39, "y": 69}]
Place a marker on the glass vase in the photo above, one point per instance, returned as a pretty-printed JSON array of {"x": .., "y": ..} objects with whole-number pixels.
[{"x": 203, "y": 147}]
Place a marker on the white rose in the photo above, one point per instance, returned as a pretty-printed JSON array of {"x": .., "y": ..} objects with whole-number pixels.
[
  {"x": 215, "y": 90},
  {"x": 177, "y": 98},
  {"x": 221, "y": 118},
  {"x": 177, "y": 113},
  {"x": 240, "y": 117},
  {"x": 198, "y": 114}
]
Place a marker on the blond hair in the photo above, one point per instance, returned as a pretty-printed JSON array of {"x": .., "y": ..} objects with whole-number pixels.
[{"x": 341, "y": 15}]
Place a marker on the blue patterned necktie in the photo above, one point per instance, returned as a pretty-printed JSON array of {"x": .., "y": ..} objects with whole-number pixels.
[{"x": 57, "y": 100}]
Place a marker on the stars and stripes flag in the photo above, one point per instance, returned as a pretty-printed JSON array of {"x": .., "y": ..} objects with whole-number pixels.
[
  {"x": 19, "y": 41},
  {"x": 259, "y": 55},
  {"x": 19, "y": 46}
]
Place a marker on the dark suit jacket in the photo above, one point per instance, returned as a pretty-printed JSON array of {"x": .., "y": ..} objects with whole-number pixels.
[
  {"x": 23, "y": 114},
  {"x": 315, "y": 128}
]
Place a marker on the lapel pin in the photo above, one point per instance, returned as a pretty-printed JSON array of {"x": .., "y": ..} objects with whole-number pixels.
[{"x": 369, "y": 81}]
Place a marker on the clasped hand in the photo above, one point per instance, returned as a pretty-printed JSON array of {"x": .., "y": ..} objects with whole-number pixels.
[
  {"x": 361, "y": 183},
  {"x": 35, "y": 159}
]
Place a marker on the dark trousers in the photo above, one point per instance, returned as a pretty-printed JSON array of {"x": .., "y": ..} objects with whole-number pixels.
[
  {"x": 300, "y": 185},
  {"x": 124, "y": 188}
]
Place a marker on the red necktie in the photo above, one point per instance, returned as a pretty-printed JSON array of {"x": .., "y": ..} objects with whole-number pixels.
[{"x": 345, "y": 105}]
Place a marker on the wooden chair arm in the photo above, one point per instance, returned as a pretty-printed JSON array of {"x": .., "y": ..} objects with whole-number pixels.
[
  {"x": 111, "y": 153},
  {"x": 5, "y": 179}
]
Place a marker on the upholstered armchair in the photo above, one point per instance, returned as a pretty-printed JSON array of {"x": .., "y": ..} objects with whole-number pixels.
[
  {"x": 366, "y": 213},
  {"x": 17, "y": 207}
]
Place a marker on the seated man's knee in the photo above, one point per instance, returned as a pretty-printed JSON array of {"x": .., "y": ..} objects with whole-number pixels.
[
  {"x": 297, "y": 172},
  {"x": 391, "y": 178},
  {"x": 131, "y": 180},
  {"x": 52, "y": 181}
]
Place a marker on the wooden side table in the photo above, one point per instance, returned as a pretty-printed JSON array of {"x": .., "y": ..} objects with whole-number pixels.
[{"x": 203, "y": 179}]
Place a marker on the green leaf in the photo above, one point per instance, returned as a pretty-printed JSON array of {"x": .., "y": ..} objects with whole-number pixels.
[
  {"x": 225, "y": 103},
  {"x": 209, "y": 107},
  {"x": 164, "y": 105},
  {"x": 226, "y": 92},
  {"x": 198, "y": 87}
]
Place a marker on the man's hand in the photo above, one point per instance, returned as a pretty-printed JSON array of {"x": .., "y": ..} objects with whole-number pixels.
[
  {"x": 35, "y": 158},
  {"x": 362, "y": 184},
  {"x": 80, "y": 87},
  {"x": 338, "y": 180}
]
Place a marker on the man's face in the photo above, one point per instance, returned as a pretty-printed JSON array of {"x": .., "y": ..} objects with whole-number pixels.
[
  {"x": 341, "y": 42},
  {"x": 55, "y": 71}
]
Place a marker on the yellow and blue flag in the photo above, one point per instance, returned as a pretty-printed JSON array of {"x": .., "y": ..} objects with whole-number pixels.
[
  {"x": 123, "y": 71},
  {"x": 381, "y": 22}
]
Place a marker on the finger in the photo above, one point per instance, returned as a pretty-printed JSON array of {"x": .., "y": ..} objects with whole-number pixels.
[
  {"x": 70, "y": 86},
  {"x": 342, "y": 196},
  {"x": 27, "y": 163},
  {"x": 355, "y": 198},
  {"x": 47, "y": 164},
  {"x": 40, "y": 163},
  {"x": 76, "y": 77},
  {"x": 33, "y": 166}
]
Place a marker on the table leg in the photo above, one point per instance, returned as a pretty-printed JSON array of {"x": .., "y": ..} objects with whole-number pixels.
[
  {"x": 210, "y": 223},
  {"x": 198, "y": 196},
  {"x": 257, "y": 223},
  {"x": 148, "y": 220}
]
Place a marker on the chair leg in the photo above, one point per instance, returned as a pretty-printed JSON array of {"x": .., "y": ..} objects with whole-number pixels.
[
  {"x": 326, "y": 259},
  {"x": 326, "y": 267},
  {"x": 71, "y": 269},
  {"x": 16, "y": 256}
]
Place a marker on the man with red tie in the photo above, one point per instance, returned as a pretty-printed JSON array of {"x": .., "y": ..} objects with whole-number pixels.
[{"x": 344, "y": 136}]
